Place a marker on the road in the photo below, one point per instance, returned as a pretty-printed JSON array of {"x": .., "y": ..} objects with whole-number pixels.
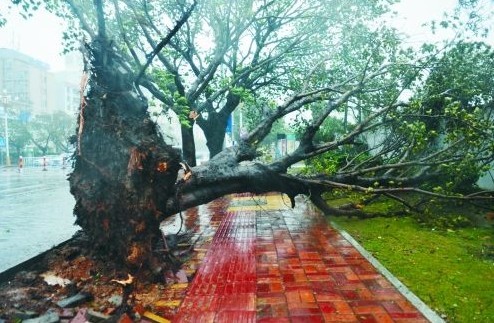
[{"x": 35, "y": 213}]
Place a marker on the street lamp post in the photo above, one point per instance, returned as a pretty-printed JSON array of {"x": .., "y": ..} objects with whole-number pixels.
[
  {"x": 5, "y": 99},
  {"x": 6, "y": 127}
]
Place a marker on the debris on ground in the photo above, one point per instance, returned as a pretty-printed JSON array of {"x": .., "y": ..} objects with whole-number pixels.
[{"x": 70, "y": 285}]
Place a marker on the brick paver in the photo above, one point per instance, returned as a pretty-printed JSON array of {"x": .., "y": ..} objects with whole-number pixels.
[{"x": 269, "y": 263}]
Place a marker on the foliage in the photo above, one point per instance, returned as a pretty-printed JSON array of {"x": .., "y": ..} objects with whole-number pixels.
[
  {"x": 433, "y": 213},
  {"x": 18, "y": 135},
  {"x": 254, "y": 110},
  {"x": 51, "y": 132},
  {"x": 40, "y": 133},
  {"x": 445, "y": 269},
  {"x": 438, "y": 215},
  {"x": 330, "y": 162},
  {"x": 62, "y": 126},
  {"x": 456, "y": 104}
]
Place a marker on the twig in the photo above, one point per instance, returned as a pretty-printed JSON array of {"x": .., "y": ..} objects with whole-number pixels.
[{"x": 164, "y": 42}]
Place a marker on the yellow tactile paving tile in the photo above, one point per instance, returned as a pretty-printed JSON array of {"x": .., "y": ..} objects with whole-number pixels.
[{"x": 259, "y": 203}]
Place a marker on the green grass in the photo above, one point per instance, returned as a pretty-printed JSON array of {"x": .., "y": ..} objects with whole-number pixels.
[{"x": 447, "y": 269}]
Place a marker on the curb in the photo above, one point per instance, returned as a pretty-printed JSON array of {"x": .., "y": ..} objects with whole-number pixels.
[
  {"x": 28, "y": 264},
  {"x": 409, "y": 295}
]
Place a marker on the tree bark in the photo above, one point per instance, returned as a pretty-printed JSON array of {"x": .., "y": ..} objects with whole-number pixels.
[
  {"x": 188, "y": 145},
  {"x": 214, "y": 131},
  {"x": 215, "y": 141},
  {"x": 123, "y": 172}
]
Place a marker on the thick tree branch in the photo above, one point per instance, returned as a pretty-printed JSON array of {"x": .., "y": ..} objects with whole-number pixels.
[
  {"x": 81, "y": 18},
  {"x": 123, "y": 32},
  {"x": 392, "y": 190},
  {"x": 100, "y": 15}
]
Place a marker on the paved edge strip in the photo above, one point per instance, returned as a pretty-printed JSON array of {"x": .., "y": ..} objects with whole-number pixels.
[
  {"x": 27, "y": 264},
  {"x": 417, "y": 302}
]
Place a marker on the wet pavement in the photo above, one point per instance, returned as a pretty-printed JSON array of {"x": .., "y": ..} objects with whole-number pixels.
[
  {"x": 35, "y": 213},
  {"x": 255, "y": 259},
  {"x": 269, "y": 263}
]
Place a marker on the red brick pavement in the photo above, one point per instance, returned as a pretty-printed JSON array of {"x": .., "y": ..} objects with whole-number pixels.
[{"x": 269, "y": 263}]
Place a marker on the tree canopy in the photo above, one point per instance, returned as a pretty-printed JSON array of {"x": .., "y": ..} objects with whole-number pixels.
[{"x": 226, "y": 52}]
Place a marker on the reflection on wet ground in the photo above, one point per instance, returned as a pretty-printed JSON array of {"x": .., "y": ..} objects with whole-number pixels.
[
  {"x": 35, "y": 213},
  {"x": 259, "y": 260}
]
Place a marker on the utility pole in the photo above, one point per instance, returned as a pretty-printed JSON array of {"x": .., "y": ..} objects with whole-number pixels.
[
  {"x": 6, "y": 128},
  {"x": 5, "y": 99}
]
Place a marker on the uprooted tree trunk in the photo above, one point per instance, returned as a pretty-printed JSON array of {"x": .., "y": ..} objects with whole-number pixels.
[
  {"x": 123, "y": 169},
  {"x": 125, "y": 176}
]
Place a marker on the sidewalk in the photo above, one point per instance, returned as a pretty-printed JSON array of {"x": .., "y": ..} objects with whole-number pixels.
[{"x": 269, "y": 263}]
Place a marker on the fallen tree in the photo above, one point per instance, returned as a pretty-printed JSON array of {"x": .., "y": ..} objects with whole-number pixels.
[{"x": 126, "y": 179}]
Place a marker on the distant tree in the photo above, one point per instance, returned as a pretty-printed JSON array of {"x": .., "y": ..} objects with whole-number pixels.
[
  {"x": 52, "y": 131},
  {"x": 40, "y": 132},
  {"x": 62, "y": 126},
  {"x": 19, "y": 136}
]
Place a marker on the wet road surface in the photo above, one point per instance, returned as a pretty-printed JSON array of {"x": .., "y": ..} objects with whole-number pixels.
[{"x": 35, "y": 213}]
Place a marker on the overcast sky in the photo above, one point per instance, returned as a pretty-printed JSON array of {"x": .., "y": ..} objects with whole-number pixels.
[{"x": 40, "y": 36}]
